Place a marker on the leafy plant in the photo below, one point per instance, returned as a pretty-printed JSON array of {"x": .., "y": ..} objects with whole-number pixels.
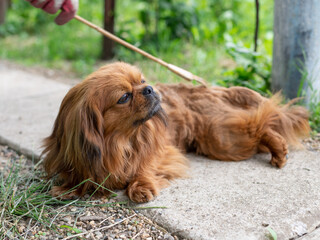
[
  {"x": 314, "y": 118},
  {"x": 22, "y": 19},
  {"x": 252, "y": 70},
  {"x": 162, "y": 22},
  {"x": 178, "y": 18}
]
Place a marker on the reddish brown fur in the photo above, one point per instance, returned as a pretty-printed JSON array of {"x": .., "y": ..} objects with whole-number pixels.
[
  {"x": 232, "y": 124},
  {"x": 93, "y": 136}
]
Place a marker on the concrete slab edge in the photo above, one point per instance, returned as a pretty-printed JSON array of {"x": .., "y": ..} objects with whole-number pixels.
[
  {"x": 20, "y": 149},
  {"x": 312, "y": 235}
]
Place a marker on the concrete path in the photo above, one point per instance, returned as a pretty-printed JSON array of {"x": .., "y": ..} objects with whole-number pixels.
[{"x": 221, "y": 200}]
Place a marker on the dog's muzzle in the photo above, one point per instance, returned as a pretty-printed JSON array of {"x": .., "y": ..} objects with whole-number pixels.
[{"x": 153, "y": 104}]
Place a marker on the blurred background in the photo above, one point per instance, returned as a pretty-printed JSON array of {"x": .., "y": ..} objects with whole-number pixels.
[{"x": 214, "y": 39}]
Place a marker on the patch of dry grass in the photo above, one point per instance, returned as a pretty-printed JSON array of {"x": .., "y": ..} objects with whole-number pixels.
[{"x": 28, "y": 211}]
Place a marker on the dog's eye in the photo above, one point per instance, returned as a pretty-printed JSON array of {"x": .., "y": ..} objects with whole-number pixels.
[
  {"x": 125, "y": 98},
  {"x": 143, "y": 81}
]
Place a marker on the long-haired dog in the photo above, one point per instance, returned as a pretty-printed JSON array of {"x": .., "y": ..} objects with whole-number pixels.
[{"x": 119, "y": 132}]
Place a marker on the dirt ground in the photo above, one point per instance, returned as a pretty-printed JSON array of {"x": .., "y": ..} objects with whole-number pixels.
[{"x": 104, "y": 219}]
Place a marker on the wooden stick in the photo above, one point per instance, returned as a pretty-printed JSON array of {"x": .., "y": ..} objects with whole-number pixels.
[{"x": 179, "y": 71}]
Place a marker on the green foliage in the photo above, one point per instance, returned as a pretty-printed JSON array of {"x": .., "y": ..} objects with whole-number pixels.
[
  {"x": 22, "y": 18},
  {"x": 253, "y": 70},
  {"x": 188, "y": 33},
  {"x": 167, "y": 19},
  {"x": 72, "y": 229},
  {"x": 315, "y": 115},
  {"x": 272, "y": 235},
  {"x": 156, "y": 22}
]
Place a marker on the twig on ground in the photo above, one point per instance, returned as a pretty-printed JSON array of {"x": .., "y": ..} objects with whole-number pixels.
[
  {"x": 106, "y": 219},
  {"x": 101, "y": 228},
  {"x": 92, "y": 218},
  {"x": 62, "y": 208},
  {"x": 137, "y": 234}
]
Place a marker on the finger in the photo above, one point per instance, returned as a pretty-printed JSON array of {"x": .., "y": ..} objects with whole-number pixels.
[
  {"x": 52, "y": 6},
  {"x": 69, "y": 9},
  {"x": 38, "y": 3}
]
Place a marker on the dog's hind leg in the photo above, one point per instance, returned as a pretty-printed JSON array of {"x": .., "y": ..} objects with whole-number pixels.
[{"x": 277, "y": 146}]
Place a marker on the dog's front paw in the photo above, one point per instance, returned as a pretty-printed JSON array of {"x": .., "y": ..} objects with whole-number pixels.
[{"x": 141, "y": 192}]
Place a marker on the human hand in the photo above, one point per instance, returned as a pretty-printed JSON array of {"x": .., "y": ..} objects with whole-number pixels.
[{"x": 68, "y": 8}]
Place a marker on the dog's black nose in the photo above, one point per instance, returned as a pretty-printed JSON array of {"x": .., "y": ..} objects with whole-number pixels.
[{"x": 147, "y": 91}]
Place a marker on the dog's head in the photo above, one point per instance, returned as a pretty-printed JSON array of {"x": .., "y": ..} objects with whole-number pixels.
[{"x": 122, "y": 96}]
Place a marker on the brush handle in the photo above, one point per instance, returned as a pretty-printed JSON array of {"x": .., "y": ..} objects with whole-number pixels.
[{"x": 179, "y": 71}]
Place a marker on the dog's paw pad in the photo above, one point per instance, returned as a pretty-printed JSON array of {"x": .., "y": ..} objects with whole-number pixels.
[{"x": 140, "y": 194}]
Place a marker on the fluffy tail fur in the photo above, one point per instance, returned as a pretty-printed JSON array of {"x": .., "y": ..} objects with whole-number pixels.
[{"x": 290, "y": 121}]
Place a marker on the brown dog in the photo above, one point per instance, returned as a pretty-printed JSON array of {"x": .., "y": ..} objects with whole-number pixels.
[{"x": 112, "y": 129}]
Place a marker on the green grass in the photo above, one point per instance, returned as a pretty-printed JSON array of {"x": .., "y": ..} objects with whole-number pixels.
[
  {"x": 315, "y": 116},
  {"x": 25, "y": 195},
  {"x": 313, "y": 100}
]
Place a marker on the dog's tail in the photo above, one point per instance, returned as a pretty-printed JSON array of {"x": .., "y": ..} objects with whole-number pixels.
[{"x": 290, "y": 121}]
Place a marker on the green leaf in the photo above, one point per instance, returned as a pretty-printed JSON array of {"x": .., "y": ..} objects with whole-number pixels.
[
  {"x": 76, "y": 230},
  {"x": 272, "y": 234}
]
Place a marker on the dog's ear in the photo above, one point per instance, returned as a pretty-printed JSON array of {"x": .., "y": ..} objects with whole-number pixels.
[
  {"x": 75, "y": 148},
  {"x": 85, "y": 139},
  {"x": 91, "y": 129}
]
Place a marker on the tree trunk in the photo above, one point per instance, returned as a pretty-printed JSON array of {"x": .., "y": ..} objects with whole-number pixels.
[
  {"x": 108, "y": 45},
  {"x": 3, "y": 10},
  {"x": 296, "y": 47}
]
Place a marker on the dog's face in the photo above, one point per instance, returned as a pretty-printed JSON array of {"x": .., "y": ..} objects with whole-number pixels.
[{"x": 123, "y": 96}]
